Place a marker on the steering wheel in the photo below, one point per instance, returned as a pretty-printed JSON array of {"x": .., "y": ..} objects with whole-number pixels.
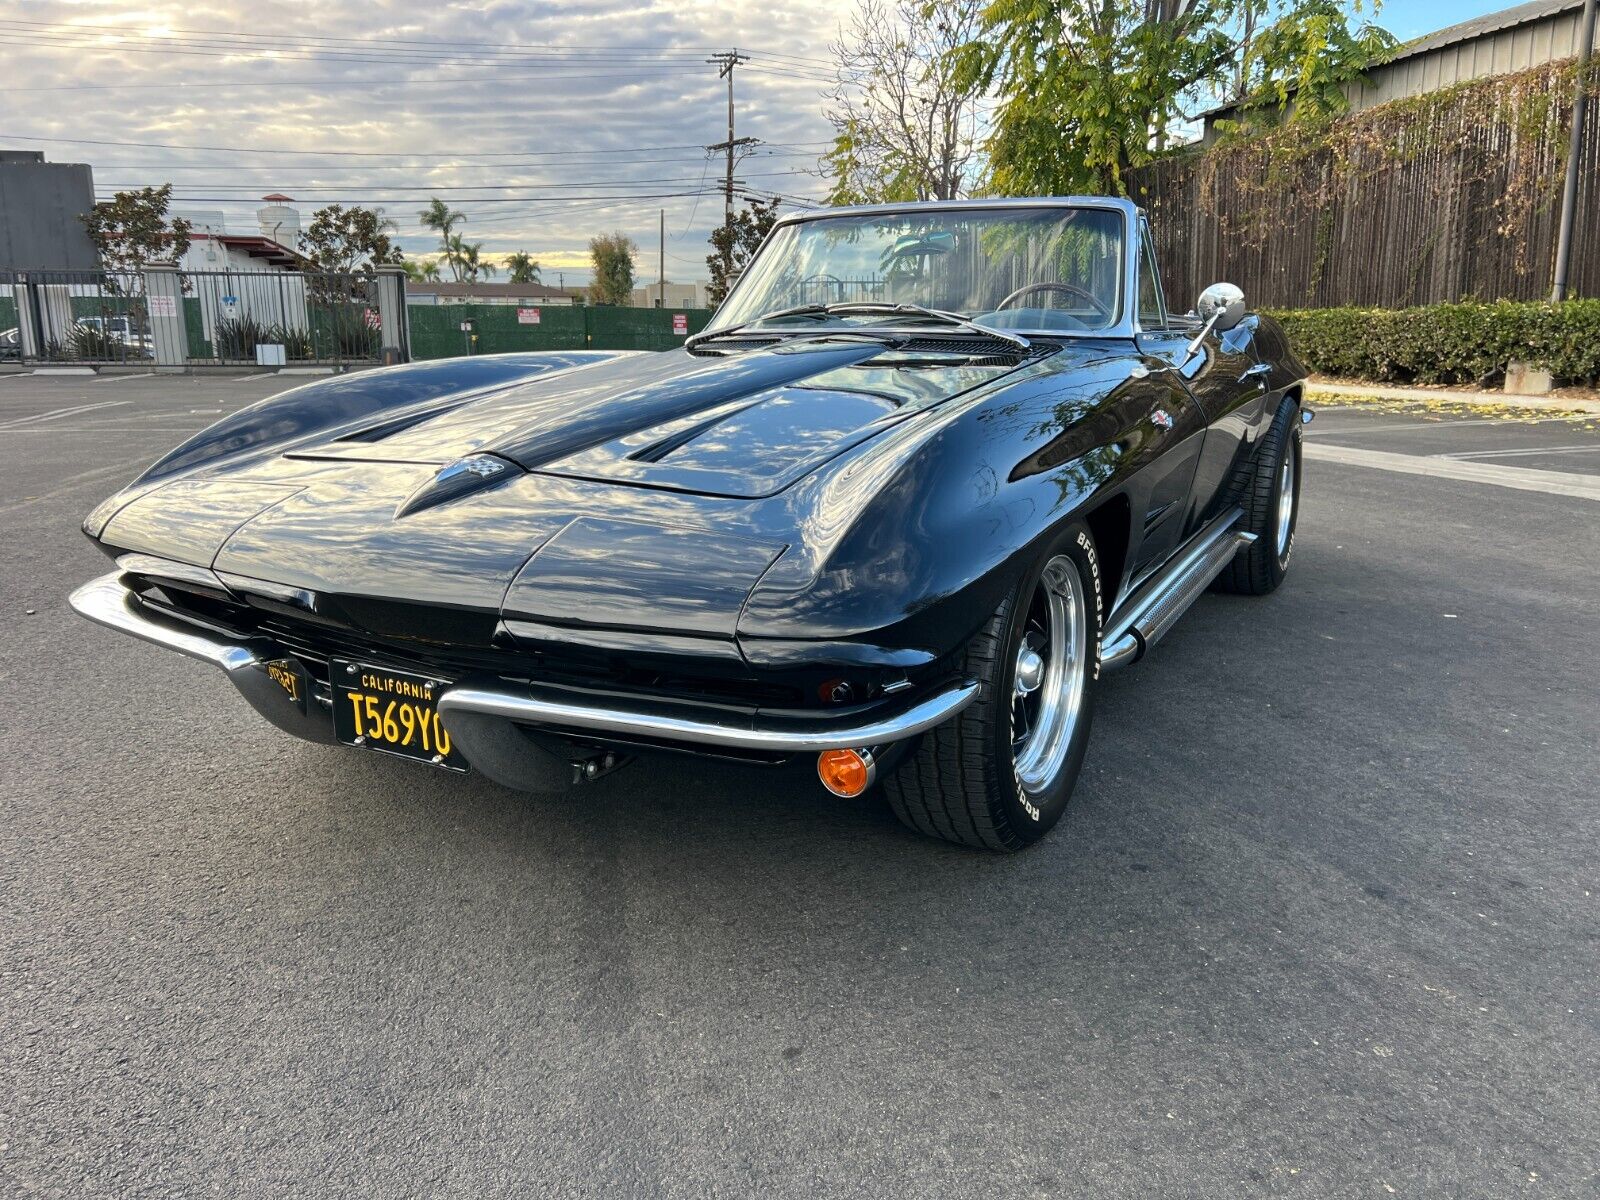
[{"x": 1029, "y": 289}]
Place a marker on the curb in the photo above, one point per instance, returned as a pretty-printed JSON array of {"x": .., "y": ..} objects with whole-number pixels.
[{"x": 1500, "y": 400}]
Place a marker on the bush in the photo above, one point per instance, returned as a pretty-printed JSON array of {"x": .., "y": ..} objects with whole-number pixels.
[
  {"x": 1449, "y": 343},
  {"x": 238, "y": 337}
]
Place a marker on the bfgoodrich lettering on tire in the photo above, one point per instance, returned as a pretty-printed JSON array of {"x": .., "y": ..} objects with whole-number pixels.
[{"x": 999, "y": 776}]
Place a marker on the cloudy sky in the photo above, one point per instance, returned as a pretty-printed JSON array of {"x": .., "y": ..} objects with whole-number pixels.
[{"x": 546, "y": 121}]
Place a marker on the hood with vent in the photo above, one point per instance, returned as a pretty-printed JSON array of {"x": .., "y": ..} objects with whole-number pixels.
[
  {"x": 745, "y": 425},
  {"x": 580, "y": 496}
]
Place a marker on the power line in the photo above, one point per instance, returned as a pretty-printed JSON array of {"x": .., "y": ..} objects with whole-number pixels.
[
  {"x": 413, "y": 199},
  {"x": 453, "y": 154},
  {"x": 465, "y": 187},
  {"x": 480, "y": 46},
  {"x": 501, "y": 169},
  {"x": 375, "y": 53}
]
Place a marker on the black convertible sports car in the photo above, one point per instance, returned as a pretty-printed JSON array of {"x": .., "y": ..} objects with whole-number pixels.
[{"x": 931, "y": 470}]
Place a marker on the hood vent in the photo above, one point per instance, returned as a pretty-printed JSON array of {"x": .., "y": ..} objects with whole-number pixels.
[{"x": 462, "y": 477}]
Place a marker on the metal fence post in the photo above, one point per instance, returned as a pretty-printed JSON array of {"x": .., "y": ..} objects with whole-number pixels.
[
  {"x": 1569, "y": 190},
  {"x": 395, "y": 343},
  {"x": 169, "y": 332},
  {"x": 30, "y": 320}
]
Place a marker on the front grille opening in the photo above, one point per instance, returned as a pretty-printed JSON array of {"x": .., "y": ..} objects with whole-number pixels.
[{"x": 315, "y": 644}]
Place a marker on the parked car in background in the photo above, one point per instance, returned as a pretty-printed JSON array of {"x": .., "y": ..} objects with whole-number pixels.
[
  {"x": 931, "y": 470},
  {"x": 10, "y": 344},
  {"x": 121, "y": 331}
]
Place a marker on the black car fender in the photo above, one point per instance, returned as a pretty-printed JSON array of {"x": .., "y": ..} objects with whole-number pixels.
[
  {"x": 910, "y": 545},
  {"x": 326, "y": 405}
]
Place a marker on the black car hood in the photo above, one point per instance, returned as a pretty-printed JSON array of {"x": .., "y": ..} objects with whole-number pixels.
[
  {"x": 644, "y": 483},
  {"x": 745, "y": 425}
]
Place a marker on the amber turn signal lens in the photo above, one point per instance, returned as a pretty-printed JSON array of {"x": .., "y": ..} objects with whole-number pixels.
[{"x": 845, "y": 772}]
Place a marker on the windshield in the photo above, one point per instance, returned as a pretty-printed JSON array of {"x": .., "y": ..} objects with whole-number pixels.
[{"x": 1044, "y": 270}]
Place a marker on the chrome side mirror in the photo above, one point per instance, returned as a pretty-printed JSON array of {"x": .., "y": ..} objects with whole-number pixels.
[{"x": 1221, "y": 307}]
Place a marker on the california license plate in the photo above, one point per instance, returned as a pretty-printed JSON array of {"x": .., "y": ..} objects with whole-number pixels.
[{"x": 392, "y": 711}]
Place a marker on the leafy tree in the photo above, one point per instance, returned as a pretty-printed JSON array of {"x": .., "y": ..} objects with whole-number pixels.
[
  {"x": 612, "y": 258},
  {"x": 1091, "y": 88},
  {"x": 522, "y": 267},
  {"x": 905, "y": 125},
  {"x": 422, "y": 270},
  {"x": 443, "y": 219},
  {"x": 1306, "y": 58},
  {"x": 733, "y": 245},
  {"x": 348, "y": 240},
  {"x": 131, "y": 230}
]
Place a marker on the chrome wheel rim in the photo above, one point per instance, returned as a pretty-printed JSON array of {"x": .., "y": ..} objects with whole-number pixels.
[
  {"x": 1285, "y": 500},
  {"x": 1049, "y": 676}
]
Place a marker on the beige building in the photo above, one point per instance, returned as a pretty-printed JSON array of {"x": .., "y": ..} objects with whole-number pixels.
[
  {"x": 492, "y": 293},
  {"x": 671, "y": 295}
]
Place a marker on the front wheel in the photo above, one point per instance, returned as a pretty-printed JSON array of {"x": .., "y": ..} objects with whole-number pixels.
[
  {"x": 999, "y": 775},
  {"x": 1268, "y": 486}
]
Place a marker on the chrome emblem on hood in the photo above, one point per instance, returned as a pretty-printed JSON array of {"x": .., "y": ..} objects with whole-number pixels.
[
  {"x": 458, "y": 479},
  {"x": 481, "y": 465}
]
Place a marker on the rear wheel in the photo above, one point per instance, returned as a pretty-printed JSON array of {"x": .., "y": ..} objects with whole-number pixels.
[
  {"x": 1268, "y": 487},
  {"x": 999, "y": 775}
]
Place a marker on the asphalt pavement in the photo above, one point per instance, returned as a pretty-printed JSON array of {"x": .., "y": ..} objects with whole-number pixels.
[{"x": 1323, "y": 920}]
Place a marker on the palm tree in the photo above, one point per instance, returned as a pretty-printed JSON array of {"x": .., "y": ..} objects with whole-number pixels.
[
  {"x": 465, "y": 260},
  {"x": 443, "y": 219},
  {"x": 421, "y": 271},
  {"x": 455, "y": 253},
  {"x": 522, "y": 267}
]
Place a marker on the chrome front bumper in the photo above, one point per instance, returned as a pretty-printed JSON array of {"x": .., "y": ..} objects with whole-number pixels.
[{"x": 480, "y": 714}]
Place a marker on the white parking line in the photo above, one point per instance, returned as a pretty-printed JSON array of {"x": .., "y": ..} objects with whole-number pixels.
[
  {"x": 1334, "y": 430},
  {"x": 57, "y": 414},
  {"x": 1554, "y": 483},
  {"x": 1525, "y": 451}
]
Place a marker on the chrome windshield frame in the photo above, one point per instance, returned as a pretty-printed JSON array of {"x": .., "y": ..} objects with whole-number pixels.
[{"x": 1124, "y": 326}]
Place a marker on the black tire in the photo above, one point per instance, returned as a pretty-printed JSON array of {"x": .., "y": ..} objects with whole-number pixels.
[
  {"x": 960, "y": 783},
  {"x": 1260, "y": 567}
]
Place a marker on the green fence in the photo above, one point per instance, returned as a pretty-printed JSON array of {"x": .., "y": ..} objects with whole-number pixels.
[{"x": 499, "y": 328}]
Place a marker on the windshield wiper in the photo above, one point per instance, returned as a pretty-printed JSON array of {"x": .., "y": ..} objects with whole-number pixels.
[
  {"x": 799, "y": 310},
  {"x": 864, "y": 308},
  {"x": 938, "y": 314}
]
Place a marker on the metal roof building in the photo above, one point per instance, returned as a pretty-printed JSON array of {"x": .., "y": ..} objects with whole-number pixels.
[{"x": 1498, "y": 43}]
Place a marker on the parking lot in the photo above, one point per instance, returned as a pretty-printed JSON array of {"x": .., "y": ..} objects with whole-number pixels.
[{"x": 1324, "y": 919}]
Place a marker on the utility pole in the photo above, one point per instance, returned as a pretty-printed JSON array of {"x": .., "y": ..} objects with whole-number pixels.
[
  {"x": 661, "y": 270},
  {"x": 725, "y": 63},
  {"x": 1569, "y": 192}
]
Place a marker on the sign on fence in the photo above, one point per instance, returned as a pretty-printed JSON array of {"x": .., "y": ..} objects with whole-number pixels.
[
  {"x": 527, "y": 316},
  {"x": 680, "y": 324},
  {"x": 162, "y": 305}
]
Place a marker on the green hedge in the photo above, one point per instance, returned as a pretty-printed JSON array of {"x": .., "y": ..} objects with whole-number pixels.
[{"x": 1449, "y": 343}]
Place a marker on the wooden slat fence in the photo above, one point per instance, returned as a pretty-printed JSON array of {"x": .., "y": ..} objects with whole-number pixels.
[{"x": 1451, "y": 196}]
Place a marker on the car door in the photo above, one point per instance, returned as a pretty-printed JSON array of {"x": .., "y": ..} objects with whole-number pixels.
[
  {"x": 1230, "y": 384},
  {"x": 1164, "y": 487},
  {"x": 1228, "y": 381}
]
